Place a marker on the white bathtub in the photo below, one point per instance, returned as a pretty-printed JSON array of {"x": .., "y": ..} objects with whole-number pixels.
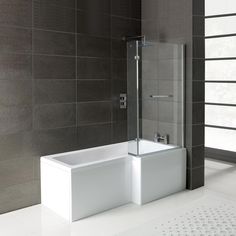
[
  {"x": 83, "y": 183},
  {"x": 158, "y": 172}
]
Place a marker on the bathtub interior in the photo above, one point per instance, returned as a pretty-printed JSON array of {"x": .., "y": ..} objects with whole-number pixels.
[
  {"x": 92, "y": 155},
  {"x": 146, "y": 147},
  {"x": 108, "y": 152}
]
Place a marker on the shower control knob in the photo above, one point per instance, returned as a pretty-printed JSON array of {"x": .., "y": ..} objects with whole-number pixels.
[{"x": 123, "y": 101}]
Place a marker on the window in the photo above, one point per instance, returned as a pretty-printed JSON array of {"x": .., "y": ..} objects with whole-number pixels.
[{"x": 220, "y": 84}]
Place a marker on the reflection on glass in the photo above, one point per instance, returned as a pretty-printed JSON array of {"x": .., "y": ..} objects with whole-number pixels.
[
  {"x": 220, "y": 139},
  {"x": 152, "y": 117},
  {"x": 220, "y": 115},
  {"x": 220, "y": 93}
]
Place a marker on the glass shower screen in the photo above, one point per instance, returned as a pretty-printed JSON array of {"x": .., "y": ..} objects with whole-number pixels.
[{"x": 155, "y": 96}]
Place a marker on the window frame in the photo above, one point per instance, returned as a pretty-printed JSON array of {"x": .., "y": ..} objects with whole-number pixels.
[{"x": 214, "y": 152}]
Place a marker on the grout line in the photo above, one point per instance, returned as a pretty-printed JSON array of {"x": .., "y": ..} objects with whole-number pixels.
[
  {"x": 97, "y": 123},
  {"x": 102, "y": 101},
  {"x": 47, "y": 79},
  {"x": 60, "y": 31},
  {"x": 193, "y": 168},
  {"x": 112, "y": 82},
  {"x": 52, "y": 104},
  {"x": 32, "y": 74},
  {"x": 54, "y": 128},
  {"x": 32, "y": 65},
  {"x": 76, "y": 67}
]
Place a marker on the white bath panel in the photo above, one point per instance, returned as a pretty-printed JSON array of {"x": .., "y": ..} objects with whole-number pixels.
[
  {"x": 83, "y": 183},
  {"x": 209, "y": 216}
]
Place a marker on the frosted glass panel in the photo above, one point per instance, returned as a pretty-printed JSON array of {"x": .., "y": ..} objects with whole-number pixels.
[
  {"x": 220, "y": 139},
  {"x": 221, "y": 70},
  {"x": 220, "y": 25},
  {"x": 220, "y": 47},
  {"x": 220, "y": 93},
  {"x": 220, "y": 116},
  {"x": 218, "y": 7}
]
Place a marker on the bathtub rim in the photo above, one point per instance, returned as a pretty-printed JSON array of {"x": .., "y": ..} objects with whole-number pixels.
[
  {"x": 50, "y": 159},
  {"x": 150, "y": 154}
]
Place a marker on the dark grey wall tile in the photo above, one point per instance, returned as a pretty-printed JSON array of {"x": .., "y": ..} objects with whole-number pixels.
[
  {"x": 199, "y": 7},
  {"x": 16, "y": 145},
  {"x": 93, "y": 46},
  {"x": 15, "y": 67},
  {"x": 94, "y": 135},
  {"x": 199, "y": 26},
  {"x": 54, "y": 91},
  {"x": 167, "y": 112},
  {"x": 36, "y": 192},
  {"x": 16, "y": 171},
  {"x": 14, "y": 93},
  {"x": 195, "y": 177},
  {"x": 96, "y": 90},
  {"x": 54, "y": 116},
  {"x": 196, "y": 157},
  {"x": 18, "y": 196},
  {"x": 54, "y": 141},
  {"x": 118, "y": 87},
  {"x": 199, "y": 47},
  {"x": 62, "y": 3},
  {"x": 198, "y": 91},
  {"x": 119, "y": 69},
  {"x": 94, "y": 24},
  {"x": 37, "y": 171},
  {"x": 195, "y": 135},
  {"x": 150, "y": 111},
  {"x": 198, "y": 135},
  {"x": 16, "y": 12},
  {"x": 93, "y": 68},
  {"x": 52, "y": 17},
  {"x": 122, "y": 27},
  {"x": 15, "y": 40},
  {"x": 15, "y": 119},
  {"x": 54, "y": 43},
  {"x": 150, "y": 9},
  {"x": 119, "y": 49},
  {"x": 117, "y": 113},
  {"x": 94, "y": 5},
  {"x": 198, "y": 113},
  {"x": 54, "y": 82},
  {"x": 150, "y": 28},
  {"x": 119, "y": 132},
  {"x": 126, "y": 8},
  {"x": 54, "y": 67},
  {"x": 94, "y": 112},
  {"x": 199, "y": 69}
]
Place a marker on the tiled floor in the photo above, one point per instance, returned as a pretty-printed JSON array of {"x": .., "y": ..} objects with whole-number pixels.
[{"x": 207, "y": 211}]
